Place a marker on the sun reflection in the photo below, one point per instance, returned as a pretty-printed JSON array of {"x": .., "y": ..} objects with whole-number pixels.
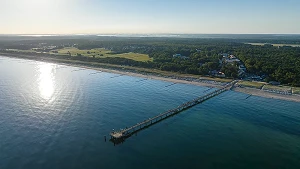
[{"x": 46, "y": 80}]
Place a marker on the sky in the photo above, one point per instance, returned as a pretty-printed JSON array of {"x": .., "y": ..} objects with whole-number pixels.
[{"x": 149, "y": 16}]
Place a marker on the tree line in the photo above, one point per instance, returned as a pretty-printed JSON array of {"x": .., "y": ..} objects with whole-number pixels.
[{"x": 201, "y": 55}]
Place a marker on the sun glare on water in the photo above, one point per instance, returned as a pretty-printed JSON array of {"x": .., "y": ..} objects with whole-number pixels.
[{"x": 46, "y": 80}]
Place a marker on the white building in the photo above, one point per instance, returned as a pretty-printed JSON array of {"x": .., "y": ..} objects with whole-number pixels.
[
  {"x": 176, "y": 55},
  {"x": 180, "y": 56}
]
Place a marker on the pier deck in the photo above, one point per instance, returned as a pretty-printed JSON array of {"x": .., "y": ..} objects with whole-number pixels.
[{"x": 127, "y": 132}]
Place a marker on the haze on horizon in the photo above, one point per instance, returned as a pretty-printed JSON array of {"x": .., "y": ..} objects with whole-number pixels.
[{"x": 149, "y": 16}]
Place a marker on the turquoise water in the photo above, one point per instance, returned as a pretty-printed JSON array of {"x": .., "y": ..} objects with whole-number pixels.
[{"x": 56, "y": 116}]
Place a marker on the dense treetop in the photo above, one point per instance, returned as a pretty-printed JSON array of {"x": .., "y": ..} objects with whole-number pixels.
[{"x": 201, "y": 55}]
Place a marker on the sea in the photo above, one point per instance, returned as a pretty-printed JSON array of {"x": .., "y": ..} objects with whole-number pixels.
[{"x": 58, "y": 116}]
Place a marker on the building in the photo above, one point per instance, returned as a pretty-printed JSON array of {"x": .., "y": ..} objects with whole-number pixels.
[
  {"x": 176, "y": 55},
  {"x": 217, "y": 73},
  {"x": 224, "y": 54},
  {"x": 243, "y": 68},
  {"x": 232, "y": 57},
  {"x": 231, "y": 60},
  {"x": 180, "y": 56},
  {"x": 274, "y": 83},
  {"x": 241, "y": 73}
]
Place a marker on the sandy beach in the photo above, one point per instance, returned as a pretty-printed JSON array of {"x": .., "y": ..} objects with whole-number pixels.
[
  {"x": 151, "y": 76},
  {"x": 250, "y": 91},
  {"x": 258, "y": 92},
  {"x": 174, "y": 79}
]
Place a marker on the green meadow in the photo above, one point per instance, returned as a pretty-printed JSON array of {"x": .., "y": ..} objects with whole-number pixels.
[
  {"x": 251, "y": 84},
  {"x": 101, "y": 53}
]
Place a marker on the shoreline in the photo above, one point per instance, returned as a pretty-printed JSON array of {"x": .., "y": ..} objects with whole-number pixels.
[
  {"x": 155, "y": 77},
  {"x": 265, "y": 94},
  {"x": 129, "y": 72},
  {"x": 173, "y": 79}
]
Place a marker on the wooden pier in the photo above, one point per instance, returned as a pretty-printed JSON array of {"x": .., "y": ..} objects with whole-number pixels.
[{"x": 117, "y": 136}]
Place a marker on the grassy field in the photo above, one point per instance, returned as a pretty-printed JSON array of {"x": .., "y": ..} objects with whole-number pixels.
[
  {"x": 257, "y": 85},
  {"x": 216, "y": 79},
  {"x": 19, "y": 50},
  {"x": 279, "y": 88},
  {"x": 134, "y": 56},
  {"x": 98, "y": 53},
  {"x": 261, "y": 44},
  {"x": 102, "y": 53},
  {"x": 296, "y": 90},
  {"x": 74, "y": 51}
]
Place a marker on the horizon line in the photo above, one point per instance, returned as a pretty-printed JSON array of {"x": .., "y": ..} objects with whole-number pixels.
[{"x": 113, "y": 34}]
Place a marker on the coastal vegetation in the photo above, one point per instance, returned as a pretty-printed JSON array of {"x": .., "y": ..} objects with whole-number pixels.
[
  {"x": 277, "y": 88},
  {"x": 181, "y": 56},
  {"x": 94, "y": 53},
  {"x": 250, "y": 84},
  {"x": 296, "y": 90}
]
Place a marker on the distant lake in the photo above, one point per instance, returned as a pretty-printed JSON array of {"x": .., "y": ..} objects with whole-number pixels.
[{"x": 56, "y": 116}]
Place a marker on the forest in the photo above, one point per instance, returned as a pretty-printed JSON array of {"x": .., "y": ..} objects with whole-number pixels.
[{"x": 197, "y": 56}]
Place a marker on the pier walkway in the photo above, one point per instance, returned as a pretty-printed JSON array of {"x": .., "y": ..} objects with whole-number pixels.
[{"x": 127, "y": 132}]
